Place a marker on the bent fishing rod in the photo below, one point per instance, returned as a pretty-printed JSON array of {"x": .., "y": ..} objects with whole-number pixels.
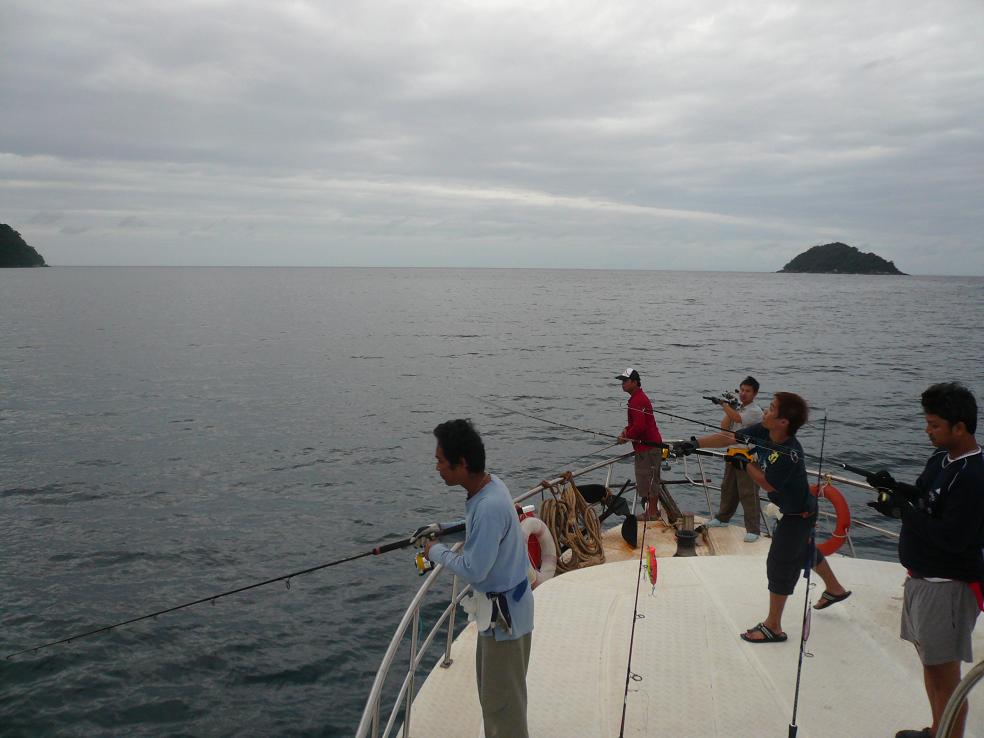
[{"x": 431, "y": 531}]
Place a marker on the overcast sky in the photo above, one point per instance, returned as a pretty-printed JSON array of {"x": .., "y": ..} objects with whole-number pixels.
[{"x": 656, "y": 134}]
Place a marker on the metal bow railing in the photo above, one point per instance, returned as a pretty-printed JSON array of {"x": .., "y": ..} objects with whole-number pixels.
[{"x": 371, "y": 723}]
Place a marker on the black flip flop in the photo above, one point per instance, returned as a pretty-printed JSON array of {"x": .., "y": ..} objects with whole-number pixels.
[
  {"x": 768, "y": 635},
  {"x": 827, "y": 599}
]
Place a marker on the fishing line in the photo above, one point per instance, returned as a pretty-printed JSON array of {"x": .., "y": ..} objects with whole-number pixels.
[
  {"x": 514, "y": 411},
  {"x": 593, "y": 453},
  {"x": 385, "y": 548},
  {"x": 790, "y": 452}
]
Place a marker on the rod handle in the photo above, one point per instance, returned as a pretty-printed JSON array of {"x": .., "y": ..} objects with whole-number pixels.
[{"x": 855, "y": 470}]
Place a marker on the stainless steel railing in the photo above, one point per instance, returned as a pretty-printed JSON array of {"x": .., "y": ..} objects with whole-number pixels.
[
  {"x": 953, "y": 705},
  {"x": 371, "y": 722}
]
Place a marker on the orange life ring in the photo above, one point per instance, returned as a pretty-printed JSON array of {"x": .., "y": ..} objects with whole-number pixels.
[
  {"x": 536, "y": 528},
  {"x": 843, "y": 512}
]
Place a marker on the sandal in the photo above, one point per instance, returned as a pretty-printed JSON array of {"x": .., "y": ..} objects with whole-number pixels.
[
  {"x": 827, "y": 599},
  {"x": 768, "y": 635}
]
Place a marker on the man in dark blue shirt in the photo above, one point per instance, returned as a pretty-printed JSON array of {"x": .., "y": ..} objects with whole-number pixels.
[
  {"x": 941, "y": 546},
  {"x": 780, "y": 470}
]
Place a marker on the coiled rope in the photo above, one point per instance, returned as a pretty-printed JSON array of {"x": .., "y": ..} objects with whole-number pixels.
[{"x": 574, "y": 526}]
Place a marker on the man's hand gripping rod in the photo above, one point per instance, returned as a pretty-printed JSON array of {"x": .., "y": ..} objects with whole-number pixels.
[{"x": 426, "y": 533}]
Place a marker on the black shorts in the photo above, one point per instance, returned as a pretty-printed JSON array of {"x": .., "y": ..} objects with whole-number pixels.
[{"x": 788, "y": 552}]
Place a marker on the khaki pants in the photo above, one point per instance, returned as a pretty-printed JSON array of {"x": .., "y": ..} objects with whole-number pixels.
[
  {"x": 738, "y": 485},
  {"x": 500, "y": 667},
  {"x": 647, "y": 471}
]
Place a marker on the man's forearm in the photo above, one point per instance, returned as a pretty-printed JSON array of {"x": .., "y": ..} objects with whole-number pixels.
[{"x": 758, "y": 476}]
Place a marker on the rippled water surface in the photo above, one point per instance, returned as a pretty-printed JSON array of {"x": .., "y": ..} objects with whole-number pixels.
[{"x": 172, "y": 433}]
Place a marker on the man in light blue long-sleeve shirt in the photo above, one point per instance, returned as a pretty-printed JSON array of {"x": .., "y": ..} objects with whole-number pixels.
[{"x": 494, "y": 561}]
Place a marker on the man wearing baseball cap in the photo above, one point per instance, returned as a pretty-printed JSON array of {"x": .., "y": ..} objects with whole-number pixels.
[{"x": 645, "y": 437}]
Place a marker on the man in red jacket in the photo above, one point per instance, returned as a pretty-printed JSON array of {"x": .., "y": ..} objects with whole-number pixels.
[{"x": 644, "y": 434}]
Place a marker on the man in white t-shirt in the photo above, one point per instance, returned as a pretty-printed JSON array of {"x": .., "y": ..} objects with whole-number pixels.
[{"x": 738, "y": 484}]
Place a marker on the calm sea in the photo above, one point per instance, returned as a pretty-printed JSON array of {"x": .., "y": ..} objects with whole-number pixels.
[{"x": 172, "y": 433}]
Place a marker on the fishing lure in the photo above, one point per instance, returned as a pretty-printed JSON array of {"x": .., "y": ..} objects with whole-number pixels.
[{"x": 652, "y": 567}]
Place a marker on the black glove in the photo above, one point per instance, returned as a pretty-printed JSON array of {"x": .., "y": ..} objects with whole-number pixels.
[
  {"x": 738, "y": 461},
  {"x": 888, "y": 505},
  {"x": 685, "y": 448},
  {"x": 882, "y": 480}
]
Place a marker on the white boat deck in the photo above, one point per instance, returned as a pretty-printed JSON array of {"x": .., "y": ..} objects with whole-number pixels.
[{"x": 698, "y": 678}]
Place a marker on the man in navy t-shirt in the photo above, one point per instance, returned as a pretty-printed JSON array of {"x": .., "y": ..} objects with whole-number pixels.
[
  {"x": 941, "y": 546},
  {"x": 780, "y": 470}
]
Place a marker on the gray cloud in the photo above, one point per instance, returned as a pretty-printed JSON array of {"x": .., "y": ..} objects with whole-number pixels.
[{"x": 669, "y": 135}]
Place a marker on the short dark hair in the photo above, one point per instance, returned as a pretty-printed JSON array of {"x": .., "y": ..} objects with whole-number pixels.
[
  {"x": 459, "y": 441},
  {"x": 751, "y": 382},
  {"x": 793, "y": 409},
  {"x": 953, "y": 402}
]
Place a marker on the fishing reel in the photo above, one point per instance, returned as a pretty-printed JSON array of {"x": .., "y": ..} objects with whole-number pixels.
[
  {"x": 424, "y": 564},
  {"x": 418, "y": 538},
  {"x": 726, "y": 398}
]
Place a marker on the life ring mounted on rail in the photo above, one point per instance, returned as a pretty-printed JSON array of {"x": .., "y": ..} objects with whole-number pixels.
[
  {"x": 843, "y": 512},
  {"x": 537, "y": 529}
]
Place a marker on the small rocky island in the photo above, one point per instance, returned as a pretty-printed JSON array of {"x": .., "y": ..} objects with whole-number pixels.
[
  {"x": 839, "y": 258},
  {"x": 14, "y": 251}
]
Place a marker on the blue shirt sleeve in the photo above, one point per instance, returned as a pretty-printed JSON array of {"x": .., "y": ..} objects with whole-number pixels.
[{"x": 475, "y": 561}]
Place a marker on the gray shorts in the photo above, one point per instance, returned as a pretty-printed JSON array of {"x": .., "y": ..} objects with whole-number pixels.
[{"x": 938, "y": 618}]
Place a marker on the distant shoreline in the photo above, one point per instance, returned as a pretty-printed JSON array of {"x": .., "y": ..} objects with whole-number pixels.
[{"x": 482, "y": 268}]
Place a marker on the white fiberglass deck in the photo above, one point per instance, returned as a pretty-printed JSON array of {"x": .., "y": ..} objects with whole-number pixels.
[{"x": 698, "y": 677}]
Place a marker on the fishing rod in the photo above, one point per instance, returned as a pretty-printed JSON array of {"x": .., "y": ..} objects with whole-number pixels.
[
  {"x": 790, "y": 452},
  {"x": 810, "y": 556},
  {"x": 635, "y": 618},
  {"x": 593, "y": 453},
  {"x": 431, "y": 531},
  {"x": 541, "y": 419},
  {"x": 514, "y": 411}
]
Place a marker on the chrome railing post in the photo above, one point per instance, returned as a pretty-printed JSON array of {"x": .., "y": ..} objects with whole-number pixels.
[
  {"x": 703, "y": 481},
  {"x": 375, "y": 721},
  {"x": 413, "y": 659},
  {"x": 447, "y": 647}
]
